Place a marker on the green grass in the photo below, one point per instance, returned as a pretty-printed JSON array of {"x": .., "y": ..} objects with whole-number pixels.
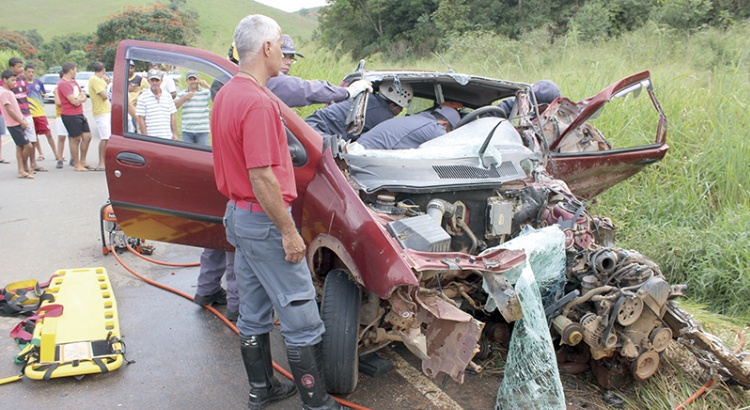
[{"x": 217, "y": 18}]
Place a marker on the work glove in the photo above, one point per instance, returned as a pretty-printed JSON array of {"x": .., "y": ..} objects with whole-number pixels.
[{"x": 357, "y": 87}]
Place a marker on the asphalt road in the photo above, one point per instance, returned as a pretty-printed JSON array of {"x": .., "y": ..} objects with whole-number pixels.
[{"x": 184, "y": 356}]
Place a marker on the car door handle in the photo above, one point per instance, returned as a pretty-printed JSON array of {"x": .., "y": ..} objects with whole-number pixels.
[{"x": 131, "y": 158}]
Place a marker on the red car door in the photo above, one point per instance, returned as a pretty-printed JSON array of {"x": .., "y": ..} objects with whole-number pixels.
[
  {"x": 590, "y": 166},
  {"x": 164, "y": 190}
]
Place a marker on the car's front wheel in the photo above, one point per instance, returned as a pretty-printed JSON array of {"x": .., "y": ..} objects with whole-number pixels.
[{"x": 339, "y": 310}]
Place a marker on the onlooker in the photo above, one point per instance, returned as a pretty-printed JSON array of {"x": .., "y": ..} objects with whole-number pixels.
[
  {"x": 296, "y": 92},
  {"x": 254, "y": 170},
  {"x": 21, "y": 92},
  {"x": 410, "y": 132},
  {"x": 155, "y": 110},
  {"x": 194, "y": 102},
  {"x": 62, "y": 133},
  {"x": 35, "y": 95},
  {"x": 136, "y": 85},
  {"x": 71, "y": 109},
  {"x": 100, "y": 109},
  {"x": 383, "y": 105},
  {"x": 167, "y": 83},
  {"x": 16, "y": 124},
  {"x": 3, "y": 131}
]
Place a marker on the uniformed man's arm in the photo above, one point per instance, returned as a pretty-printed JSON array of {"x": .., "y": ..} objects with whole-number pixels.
[{"x": 268, "y": 193}]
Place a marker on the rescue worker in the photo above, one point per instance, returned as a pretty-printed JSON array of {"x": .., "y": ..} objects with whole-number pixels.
[
  {"x": 296, "y": 92},
  {"x": 410, "y": 132},
  {"x": 387, "y": 103},
  {"x": 545, "y": 91}
]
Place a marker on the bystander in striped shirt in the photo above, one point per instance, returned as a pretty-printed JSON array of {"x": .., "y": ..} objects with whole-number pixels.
[
  {"x": 158, "y": 113},
  {"x": 195, "y": 111}
]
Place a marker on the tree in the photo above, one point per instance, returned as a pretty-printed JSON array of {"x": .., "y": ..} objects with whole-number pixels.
[
  {"x": 369, "y": 26},
  {"x": 33, "y": 37},
  {"x": 157, "y": 23},
  {"x": 16, "y": 41},
  {"x": 56, "y": 51}
]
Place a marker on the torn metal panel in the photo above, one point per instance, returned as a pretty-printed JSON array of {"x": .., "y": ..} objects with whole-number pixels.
[{"x": 452, "y": 337}]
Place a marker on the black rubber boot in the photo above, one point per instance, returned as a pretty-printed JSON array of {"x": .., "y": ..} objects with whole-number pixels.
[
  {"x": 264, "y": 386},
  {"x": 307, "y": 368}
]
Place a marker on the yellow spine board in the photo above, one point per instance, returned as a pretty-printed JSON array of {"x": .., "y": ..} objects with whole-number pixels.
[{"x": 78, "y": 341}]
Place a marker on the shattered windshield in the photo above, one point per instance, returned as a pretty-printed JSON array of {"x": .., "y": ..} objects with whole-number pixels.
[{"x": 464, "y": 142}]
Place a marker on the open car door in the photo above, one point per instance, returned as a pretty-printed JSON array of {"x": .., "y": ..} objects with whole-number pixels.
[
  {"x": 592, "y": 151},
  {"x": 164, "y": 190}
]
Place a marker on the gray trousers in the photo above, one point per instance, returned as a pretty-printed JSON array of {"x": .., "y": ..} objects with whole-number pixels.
[
  {"x": 267, "y": 282},
  {"x": 214, "y": 264}
]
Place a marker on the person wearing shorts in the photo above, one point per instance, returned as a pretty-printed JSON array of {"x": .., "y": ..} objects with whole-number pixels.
[
  {"x": 11, "y": 113},
  {"x": 21, "y": 92},
  {"x": 3, "y": 131},
  {"x": 62, "y": 133},
  {"x": 35, "y": 97},
  {"x": 71, "y": 103},
  {"x": 101, "y": 109}
]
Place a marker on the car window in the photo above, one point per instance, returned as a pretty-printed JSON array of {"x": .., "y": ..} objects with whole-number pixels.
[
  {"x": 50, "y": 79},
  {"x": 418, "y": 105},
  {"x": 604, "y": 131},
  {"x": 83, "y": 76},
  {"x": 191, "y": 105}
]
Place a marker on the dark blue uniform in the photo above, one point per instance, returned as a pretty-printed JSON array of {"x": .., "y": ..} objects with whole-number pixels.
[
  {"x": 402, "y": 132},
  {"x": 330, "y": 120}
]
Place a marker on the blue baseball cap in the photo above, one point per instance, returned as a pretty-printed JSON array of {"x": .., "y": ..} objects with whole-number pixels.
[
  {"x": 545, "y": 91},
  {"x": 450, "y": 114},
  {"x": 287, "y": 45}
]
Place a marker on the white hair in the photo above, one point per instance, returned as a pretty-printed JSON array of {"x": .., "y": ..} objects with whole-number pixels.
[{"x": 252, "y": 32}]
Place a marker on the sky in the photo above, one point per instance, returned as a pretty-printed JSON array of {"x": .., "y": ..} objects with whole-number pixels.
[{"x": 292, "y": 5}]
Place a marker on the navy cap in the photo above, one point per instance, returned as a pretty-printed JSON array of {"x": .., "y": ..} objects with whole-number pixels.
[
  {"x": 287, "y": 45},
  {"x": 450, "y": 114},
  {"x": 545, "y": 91}
]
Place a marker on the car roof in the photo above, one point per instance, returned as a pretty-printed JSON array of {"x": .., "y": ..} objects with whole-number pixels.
[{"x": 470, "y": 90}]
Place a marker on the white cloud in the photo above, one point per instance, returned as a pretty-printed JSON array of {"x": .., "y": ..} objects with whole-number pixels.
[{"x": 292, "y": 5}]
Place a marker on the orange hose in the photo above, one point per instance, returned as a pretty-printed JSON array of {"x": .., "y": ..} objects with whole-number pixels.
[
  {"x": 212, "y": 310},
  {"x": 146, "y": 258},
  {"x": 695, "y": 395}
]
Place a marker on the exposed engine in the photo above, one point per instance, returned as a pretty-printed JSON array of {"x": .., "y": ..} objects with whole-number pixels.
[{"x": 611, "y": 304}]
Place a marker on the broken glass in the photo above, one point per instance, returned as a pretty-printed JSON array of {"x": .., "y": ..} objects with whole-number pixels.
[{"x": 532, "y": 380}]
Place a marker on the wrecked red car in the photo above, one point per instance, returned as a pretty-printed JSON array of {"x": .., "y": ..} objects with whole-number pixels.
[{"x": 403, "y": 242}]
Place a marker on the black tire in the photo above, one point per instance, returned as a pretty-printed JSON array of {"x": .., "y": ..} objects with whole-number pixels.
[{"x": 339, "y": 310}]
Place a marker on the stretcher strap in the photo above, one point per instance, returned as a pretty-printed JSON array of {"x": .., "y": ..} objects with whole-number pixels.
[
  {"x": 23, "y": 297},
  {"x": 21, "y": 332}
]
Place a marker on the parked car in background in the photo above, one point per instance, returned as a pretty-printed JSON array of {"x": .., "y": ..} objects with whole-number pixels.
[
  {"x": 50, "y": 84},
  {"x": 82, "y": 78},
  {"x": 400, "y": 243}
]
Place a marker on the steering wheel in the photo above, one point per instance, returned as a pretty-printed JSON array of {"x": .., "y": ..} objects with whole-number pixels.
[{"x": 481, "y": 111}]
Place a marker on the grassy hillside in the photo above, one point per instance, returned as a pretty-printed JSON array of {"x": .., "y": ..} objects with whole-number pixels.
[{"x": 217, "y": 18}]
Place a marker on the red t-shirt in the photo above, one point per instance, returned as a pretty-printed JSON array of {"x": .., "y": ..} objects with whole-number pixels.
[
  {"x": 248, "y": 133},
  {"x": 64, "y": 89}
]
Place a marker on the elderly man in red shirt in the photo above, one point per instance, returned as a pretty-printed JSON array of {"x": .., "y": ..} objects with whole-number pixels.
[{"x": 253, "y": 168}]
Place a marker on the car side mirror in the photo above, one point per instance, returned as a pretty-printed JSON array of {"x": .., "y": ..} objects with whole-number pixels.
[{"x": 296, "y": 149}]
